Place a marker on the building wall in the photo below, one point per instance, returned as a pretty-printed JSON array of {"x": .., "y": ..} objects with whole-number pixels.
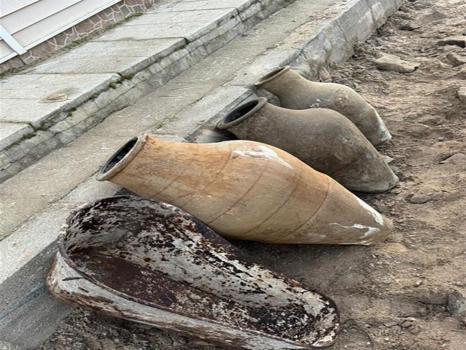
[{"x": 69, "y": 21}]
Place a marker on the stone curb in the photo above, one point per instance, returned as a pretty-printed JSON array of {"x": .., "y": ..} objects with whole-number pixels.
[
  {"x": 22, "y": 147},
  {"x": 28, "y": 315}
]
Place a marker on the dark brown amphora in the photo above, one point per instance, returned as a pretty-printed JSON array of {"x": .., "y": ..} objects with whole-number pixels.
[
  {"x": 322, "y": 138},
  {"x": 296, "y": 92}
]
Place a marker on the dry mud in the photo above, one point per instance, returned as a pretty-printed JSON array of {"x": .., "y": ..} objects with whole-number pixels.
[{"x": 395, "y": 295}]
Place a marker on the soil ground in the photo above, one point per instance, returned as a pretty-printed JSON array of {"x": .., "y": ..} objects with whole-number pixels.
[{"x": 395, "y": 295}]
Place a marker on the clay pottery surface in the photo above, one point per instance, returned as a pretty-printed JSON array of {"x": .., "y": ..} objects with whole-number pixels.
[
  {"x": 152, "y": 263},
  {"x": 246, "y": 190},
  {"x": 296, "y": 92},
  {"x": 320, "y": 137}
]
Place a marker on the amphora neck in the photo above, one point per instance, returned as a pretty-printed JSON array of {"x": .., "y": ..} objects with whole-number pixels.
[
  {"x": 282, "y": 81},
  {"x": 242, "y": 113}
]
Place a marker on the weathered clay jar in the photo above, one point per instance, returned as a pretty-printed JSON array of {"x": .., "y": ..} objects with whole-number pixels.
[
  {"x": 246, "y": 190},
  {"x": 296, "y": 92},
  {"x": 153, "y": 263},
  {"x": 320, "y": 137}
]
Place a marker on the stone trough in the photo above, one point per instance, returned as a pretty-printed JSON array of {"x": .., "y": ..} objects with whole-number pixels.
[{"x": 152, "y": 263}]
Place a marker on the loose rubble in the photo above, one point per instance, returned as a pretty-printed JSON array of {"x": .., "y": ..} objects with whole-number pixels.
[
  {"x": 458, "y": 40},
  {"x": 395, "y": 64},
  {"x": 457, "y": 304},
  {"x": 456, "y": 59}
]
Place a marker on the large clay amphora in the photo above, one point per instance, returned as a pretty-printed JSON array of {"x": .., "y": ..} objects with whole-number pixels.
[
  {"x": 246, "y": 190},
  {"x": 296, "y": 92},
  {"x": 320, "y": 137},
  {"x": 153, "y": 263}
]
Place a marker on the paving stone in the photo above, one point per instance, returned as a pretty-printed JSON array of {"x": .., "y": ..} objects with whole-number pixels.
[
  {"x": 142, "y": 48},
  {"x": 109, "y": 64},
  {"x": 196, "y": 16},
  {"x": 206, "y": 4},
  {"x": 70, "y": 165},
  {"x": 75, "y": 118},
  {"x": 124, "y": 58},
  {"x": 151, "y": 31},
  {"x": 12, "y": 132},
  {"x": 106, "y": 57},
  {"x": 25, "y": 110},
  {"x": 38, "y": 86},
  {"x": 24, "y": 98}
]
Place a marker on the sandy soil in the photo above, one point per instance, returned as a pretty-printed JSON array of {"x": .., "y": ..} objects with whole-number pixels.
[{"x": 400, "y": 294}]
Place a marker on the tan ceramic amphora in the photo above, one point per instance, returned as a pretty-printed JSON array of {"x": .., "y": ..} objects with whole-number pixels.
[{"x": 246, "y": 190}]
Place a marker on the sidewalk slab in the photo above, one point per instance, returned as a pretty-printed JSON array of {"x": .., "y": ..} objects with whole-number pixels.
[
  {"x": 33, "y": 98},
  {"x": 151, "y": 31},
  {"x": 207, "y": 5},
  {"x": 171, "y": 17},
  {"x": 151, "y": 48},
  {"x": 127, "y": 56},
  {"x": 186, "y": 108}
]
